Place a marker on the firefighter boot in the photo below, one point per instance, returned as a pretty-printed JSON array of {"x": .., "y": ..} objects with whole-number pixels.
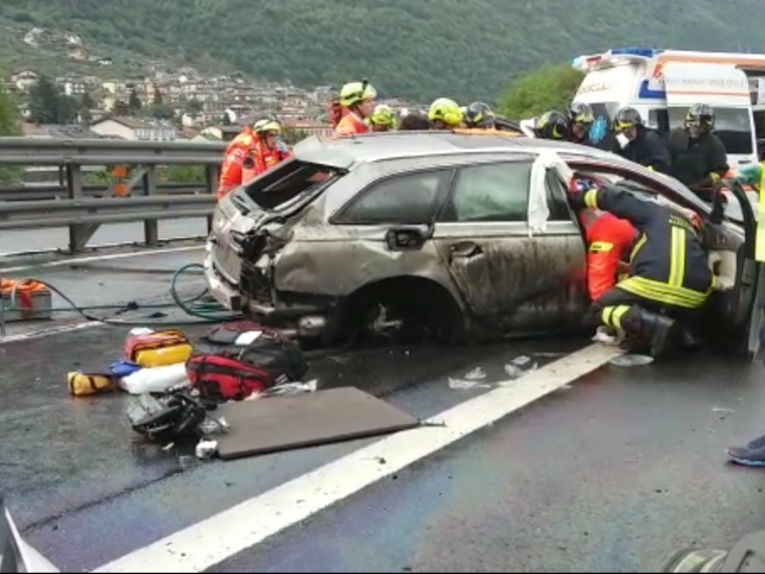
[{"x": 657, "y": 331}]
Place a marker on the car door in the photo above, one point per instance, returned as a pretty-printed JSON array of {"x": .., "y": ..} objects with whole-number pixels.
[{"x": 510, "y": 278}]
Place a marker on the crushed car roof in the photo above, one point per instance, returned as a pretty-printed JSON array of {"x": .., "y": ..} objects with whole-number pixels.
[{"x": 343, "y": 152}]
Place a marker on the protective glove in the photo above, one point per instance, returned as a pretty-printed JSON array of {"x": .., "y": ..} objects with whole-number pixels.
[{"x": 282, "y": 147}]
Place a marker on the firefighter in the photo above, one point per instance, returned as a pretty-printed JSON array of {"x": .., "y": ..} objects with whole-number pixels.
[
  {"x": 235, "y": 156},
  {"x": 383, "y": 119},
  {"x": 640, "y": 144},
  {"x": 445, "y": 114},
  {"x": 580, "y": 121},
  {"x": 479, "y": 115},
  {"x": 669, "y": 274},
  {"x": 699, "y": 158},
  {"x": 359, "y": 99},
  {"x": 269, "y": 150},
  {"x": 552, "y": 125}
]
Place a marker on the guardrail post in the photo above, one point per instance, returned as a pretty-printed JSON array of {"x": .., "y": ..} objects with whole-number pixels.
[
  {"x": 150, "y": 226},
  {"x": 78, "y": 234},
  {"x": 211, "y": 187}
]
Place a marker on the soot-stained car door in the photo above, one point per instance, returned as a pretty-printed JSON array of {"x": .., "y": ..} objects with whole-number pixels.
[{"x": 511, "y": 280}]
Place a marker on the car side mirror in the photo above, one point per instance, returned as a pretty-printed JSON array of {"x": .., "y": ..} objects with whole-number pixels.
[{"x": 408, "y": 237}]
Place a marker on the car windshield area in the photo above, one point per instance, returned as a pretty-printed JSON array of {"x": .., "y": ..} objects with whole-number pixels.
[
  {"x": 290, "y": 182},
  {"x": 732, "y": 126}
]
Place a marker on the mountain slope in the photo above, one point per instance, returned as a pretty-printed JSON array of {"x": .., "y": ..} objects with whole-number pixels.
[{"x": 422, "y": 48}]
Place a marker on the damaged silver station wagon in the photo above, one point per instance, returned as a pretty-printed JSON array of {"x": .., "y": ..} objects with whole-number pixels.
[{"x": 461, "y": 236}]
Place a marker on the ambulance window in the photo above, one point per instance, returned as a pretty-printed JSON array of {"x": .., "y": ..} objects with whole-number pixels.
[{"x": 732, "y": 126}]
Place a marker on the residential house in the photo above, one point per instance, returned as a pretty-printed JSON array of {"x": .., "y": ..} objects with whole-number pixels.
[
  {"x": 135, "y": 129},
  {"x": 24, "y": 80},
  {"x": 73, "y": 87}
]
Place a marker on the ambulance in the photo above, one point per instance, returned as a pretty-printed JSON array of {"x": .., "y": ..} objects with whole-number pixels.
[{"x": 663, "y": 84}]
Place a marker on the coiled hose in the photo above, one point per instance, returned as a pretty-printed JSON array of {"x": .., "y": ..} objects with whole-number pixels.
[{"x": 201, "y": 307}]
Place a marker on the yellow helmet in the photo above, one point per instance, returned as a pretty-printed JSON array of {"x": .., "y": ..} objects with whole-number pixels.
[
  {"x": 257, "y": 127},
  {"x": 356, "y": 93},
  {"x": 446, "y": 110},
  {"x": 383, "y": 116},
  {"x": 271, "y": 126}
]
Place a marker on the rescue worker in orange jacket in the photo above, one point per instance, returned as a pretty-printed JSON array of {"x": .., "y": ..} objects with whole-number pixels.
[
  {"x": 269, "y": 150},
  {"x": 238, "y": 150},
  {"x": 609, "y": 240},
  {"x": 359, "y": 99}
]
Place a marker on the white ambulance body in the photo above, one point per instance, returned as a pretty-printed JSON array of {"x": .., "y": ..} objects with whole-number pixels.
[{"x": 663, "y": 84}]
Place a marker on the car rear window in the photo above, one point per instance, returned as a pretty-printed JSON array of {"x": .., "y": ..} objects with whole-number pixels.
[{"x": 290, "y": 181}]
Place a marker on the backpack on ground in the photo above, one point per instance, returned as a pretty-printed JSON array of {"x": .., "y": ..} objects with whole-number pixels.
[{"x": 238, "y": 359}]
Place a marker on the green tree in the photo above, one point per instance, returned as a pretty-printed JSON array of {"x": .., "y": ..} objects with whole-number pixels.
[
  {"x": 10, "y": 125},
  {"x": 43, "y": 102},
  {"x": 193, "y": 107},
  {"x": 550, "y": 88},
  {"x": 134, "y": 102},
  {"x": 157, "y": 100},
  {"x": 86, "y": 104},
  {"x": 120, "y": 108},
  {"x": 161, "y": 112},
  {"x": 48, "y": 105}
]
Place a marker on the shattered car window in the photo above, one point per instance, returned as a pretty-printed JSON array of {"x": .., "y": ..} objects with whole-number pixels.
[
  {"x": 496, "y": 192},
  {"x": 403, "y": 199}
]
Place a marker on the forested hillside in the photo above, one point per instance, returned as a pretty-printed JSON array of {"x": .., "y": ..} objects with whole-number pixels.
[{"x": 420, "y": 48}]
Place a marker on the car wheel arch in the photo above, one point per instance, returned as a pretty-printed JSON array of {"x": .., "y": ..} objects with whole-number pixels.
[{"x": 409, "y": 291}]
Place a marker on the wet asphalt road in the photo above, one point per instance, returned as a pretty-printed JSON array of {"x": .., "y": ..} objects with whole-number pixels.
[{"x": 610, "y": 475}]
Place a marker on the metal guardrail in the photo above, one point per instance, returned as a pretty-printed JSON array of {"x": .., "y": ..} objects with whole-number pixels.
[
  {"x": 61, "y": 213},
  {"x": 43, "y": 192},
  {"x": 83, "y": 215}
]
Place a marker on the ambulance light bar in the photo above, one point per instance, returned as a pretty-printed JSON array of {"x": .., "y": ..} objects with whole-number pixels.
[{"x": 614, "y": 56}]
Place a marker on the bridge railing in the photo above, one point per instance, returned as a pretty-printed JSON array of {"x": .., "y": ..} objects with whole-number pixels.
[{"x": 75, "y": 205}]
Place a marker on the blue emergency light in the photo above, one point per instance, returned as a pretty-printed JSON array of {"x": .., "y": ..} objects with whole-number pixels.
[{"x": 642, "y": 52}]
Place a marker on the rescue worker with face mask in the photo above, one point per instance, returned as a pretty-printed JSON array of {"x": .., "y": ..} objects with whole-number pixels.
[
  {"x": 359, "y": 99},
  {"x": 234, "y": 158},
  {"x": 445, "y": 114},
  {"x": 383, "y": 119},
  {"x": 270, "y": 150},
  {"x": 640, "y": 144},
  {"x": 669, "y": 272},
  {"x": 699, "y": 158}
]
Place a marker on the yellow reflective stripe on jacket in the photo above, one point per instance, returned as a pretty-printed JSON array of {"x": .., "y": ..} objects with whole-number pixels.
[
  {"x": 759, "y": 242},
  {"x": 677, "y": 258},
  {"x": 638, "y": 246},
  {"x": 591, "y": 199},
  {"x": 601, "y": 247},
  {"x": 663, "y": 293},
  {"x": 714, "y": 176}
]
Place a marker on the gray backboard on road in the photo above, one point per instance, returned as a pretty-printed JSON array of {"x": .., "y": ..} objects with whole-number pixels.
[{"x": 282, "y": 423}]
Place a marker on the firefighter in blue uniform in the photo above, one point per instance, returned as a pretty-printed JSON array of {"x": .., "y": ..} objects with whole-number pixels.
[{"x": 669, "y": 274}]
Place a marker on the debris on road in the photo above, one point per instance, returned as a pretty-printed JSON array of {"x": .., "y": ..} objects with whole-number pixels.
[
  {"x": 631, "y": 361},
  {"x": 206, "y": 449},
  {"x": 471, "y": 380},
  {"x": 519, "y": 366}
]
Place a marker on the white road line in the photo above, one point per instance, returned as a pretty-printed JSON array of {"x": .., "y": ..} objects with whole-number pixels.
[
  {"x": 51, "y": 331},
  {"x": 207, "y": 543},
  {"x": 108, "y": 257}
]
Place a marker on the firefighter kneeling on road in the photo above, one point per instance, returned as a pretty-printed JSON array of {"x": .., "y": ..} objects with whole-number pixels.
[{"x": 669, "y": 274}]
